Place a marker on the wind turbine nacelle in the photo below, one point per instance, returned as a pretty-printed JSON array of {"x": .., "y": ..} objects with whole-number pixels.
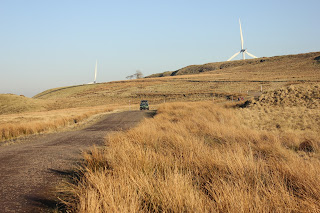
[{"x": 243, "y": 50}]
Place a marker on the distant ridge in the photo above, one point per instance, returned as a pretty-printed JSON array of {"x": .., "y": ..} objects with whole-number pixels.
[{"x": 196, "y": 69}]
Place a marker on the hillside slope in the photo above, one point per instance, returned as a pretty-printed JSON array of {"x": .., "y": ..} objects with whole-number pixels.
[
  {"x": 10, "y": 103},
  {"x": 196, "y": 69},
  {"x": 219, "y": 81}
]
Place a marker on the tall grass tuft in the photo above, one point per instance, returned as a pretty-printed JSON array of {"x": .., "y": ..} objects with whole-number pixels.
[{"x": 198, "y": 157}]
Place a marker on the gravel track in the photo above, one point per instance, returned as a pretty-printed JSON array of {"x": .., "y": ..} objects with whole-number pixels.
[{"x": 30, "y": 171}]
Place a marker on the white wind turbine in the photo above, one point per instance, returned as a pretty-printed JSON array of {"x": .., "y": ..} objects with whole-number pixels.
[
  {"x": 243, "y": 51},
  {"x": 95, "y": 73}
]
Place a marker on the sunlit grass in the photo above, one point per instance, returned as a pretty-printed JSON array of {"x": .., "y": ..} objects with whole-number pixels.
[
  {"x": 200, "y": 157},
  {"x": 22, "y": 124},
  {"x": 221, "y": 79}
]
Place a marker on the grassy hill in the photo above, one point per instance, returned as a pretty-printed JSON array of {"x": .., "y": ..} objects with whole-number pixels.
[
  {"x": 261, "y": 63},
  {"x": 10, "y": 103},
  {"x": 222, "y": 80}
]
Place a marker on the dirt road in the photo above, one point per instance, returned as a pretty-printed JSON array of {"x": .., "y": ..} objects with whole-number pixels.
[{"x": 30, "y": 171}]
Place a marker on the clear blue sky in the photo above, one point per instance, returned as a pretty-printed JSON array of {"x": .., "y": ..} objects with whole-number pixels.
[{"x": 52, "y": 43}]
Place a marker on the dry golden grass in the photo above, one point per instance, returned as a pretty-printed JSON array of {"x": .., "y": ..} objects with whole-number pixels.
[
  {"x": 10, "y": 103},
  {"x": 234, "y": 78},
  {"x": 293, "y": 108},
  {"x": 22, "y": 124},
  {"x": 304, "y": 95},
  {"x": 200, "y": 157},
  {"x": 281, "y": 119},
  {"x": 196, "y": 157}
]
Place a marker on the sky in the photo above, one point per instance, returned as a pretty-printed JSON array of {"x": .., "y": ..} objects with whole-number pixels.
[{"x": 46, "y": 44}]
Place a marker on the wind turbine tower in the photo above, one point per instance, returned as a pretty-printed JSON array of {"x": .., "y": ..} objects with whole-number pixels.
[
  {"x": 243, "y": 51},
  {"x": 95, "y": 72}
]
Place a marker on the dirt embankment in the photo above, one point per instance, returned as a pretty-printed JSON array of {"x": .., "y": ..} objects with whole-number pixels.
[{"x": 30, "y": 171}]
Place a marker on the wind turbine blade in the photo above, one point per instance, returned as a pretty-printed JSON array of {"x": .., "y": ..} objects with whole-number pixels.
[
  {"x": 251, "y": 55},
  {"x": 241, "y": 35},
  {"x": 233, "y": 56}
]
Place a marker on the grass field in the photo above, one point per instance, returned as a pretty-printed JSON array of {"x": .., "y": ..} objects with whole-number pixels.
[
  {"x": 219, "y": 80},
  {"x": 203, "y": 159}
]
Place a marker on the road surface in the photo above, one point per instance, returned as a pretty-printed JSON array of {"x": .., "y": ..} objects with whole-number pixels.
[{"x": 30, "y": 171}]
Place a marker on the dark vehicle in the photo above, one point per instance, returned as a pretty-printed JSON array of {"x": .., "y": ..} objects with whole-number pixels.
[{"x": 144, "y": 105}]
